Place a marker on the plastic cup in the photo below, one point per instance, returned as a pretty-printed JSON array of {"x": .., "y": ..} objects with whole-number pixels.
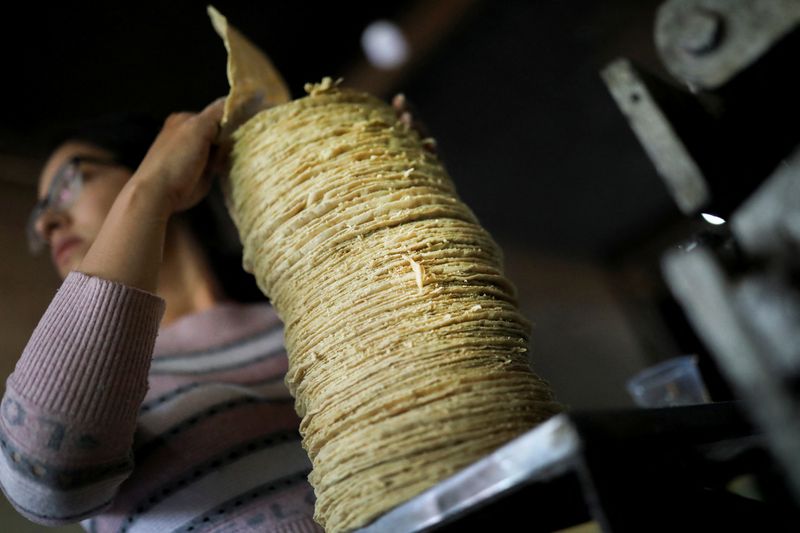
[{"x": 673, "y": 382}]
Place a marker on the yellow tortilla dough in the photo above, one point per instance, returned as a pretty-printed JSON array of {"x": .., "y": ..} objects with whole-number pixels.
[
  {"x": 254, "y": 81},
  {"x": 407, "y": 353}
]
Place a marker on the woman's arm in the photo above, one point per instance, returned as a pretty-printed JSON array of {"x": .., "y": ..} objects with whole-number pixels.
[
  {"x": 172, "y": 177},
  {"x": 71, "y": 405}
]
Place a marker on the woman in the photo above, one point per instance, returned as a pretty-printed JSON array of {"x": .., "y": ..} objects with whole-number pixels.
[{"x": 144, "y": 400}]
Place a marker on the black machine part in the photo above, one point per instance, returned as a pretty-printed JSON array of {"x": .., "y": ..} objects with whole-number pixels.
[{"x": 723, "y": 136}]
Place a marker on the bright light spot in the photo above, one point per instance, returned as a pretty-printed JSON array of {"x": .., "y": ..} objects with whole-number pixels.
[
  {"x": 384, "y": 44},
  {"x": 712, "y": 219}
]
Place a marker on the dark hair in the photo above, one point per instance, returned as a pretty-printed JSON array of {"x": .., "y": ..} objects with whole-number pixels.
[{"x": 128, "y": 136}]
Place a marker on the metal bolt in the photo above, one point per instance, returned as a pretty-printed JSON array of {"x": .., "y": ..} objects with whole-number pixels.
[{"x": 701, "y": 32}]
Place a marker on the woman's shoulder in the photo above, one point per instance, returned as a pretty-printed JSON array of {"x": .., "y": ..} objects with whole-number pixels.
[{"x": 220, "y": 325}]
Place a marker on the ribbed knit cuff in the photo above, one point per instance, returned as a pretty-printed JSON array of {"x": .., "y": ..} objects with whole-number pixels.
[{"x": 90, "y": 354}]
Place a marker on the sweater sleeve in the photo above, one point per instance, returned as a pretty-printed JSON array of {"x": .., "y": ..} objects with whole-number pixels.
[{"x": 69, "y": 412}]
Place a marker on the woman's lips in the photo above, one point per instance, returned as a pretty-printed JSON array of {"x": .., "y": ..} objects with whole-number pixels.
[{"x": 62, "y": 251}]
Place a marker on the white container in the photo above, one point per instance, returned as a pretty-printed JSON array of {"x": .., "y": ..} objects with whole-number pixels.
[{"x": 673, "y": 382}]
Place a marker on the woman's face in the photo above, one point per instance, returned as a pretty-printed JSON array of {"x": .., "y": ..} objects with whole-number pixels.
[{"x": 72, "y": 231}]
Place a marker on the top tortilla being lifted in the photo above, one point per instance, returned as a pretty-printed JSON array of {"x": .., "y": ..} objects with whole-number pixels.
[{"x": 255, "y": 82}]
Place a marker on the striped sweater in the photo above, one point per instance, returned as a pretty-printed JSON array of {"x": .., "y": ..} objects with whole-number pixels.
[{"x": 108, "y": 421}]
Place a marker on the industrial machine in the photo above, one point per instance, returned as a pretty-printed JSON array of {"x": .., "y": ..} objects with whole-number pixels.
[{"x": 723, "y": 134}]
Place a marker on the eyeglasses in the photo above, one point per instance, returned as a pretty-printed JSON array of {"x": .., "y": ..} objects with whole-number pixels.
[{"x": 64, "y": 190}]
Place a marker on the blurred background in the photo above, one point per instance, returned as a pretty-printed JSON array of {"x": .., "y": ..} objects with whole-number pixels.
[{"x": 510, "y": 89}]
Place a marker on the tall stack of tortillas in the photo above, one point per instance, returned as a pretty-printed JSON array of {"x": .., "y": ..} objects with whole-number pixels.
[{"x": 407, "y": 355}]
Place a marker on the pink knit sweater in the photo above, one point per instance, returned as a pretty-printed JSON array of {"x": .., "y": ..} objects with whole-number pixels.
[{"x": 109, "y": 421}]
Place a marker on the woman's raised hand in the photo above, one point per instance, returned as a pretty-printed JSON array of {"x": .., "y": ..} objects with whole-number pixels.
[
  {"x": 174, "y": 175},
  {"x": 181, "y": 160}
]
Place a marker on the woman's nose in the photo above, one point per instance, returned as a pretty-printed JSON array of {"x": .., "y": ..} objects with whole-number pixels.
[{"x": 48, "y": 222}]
